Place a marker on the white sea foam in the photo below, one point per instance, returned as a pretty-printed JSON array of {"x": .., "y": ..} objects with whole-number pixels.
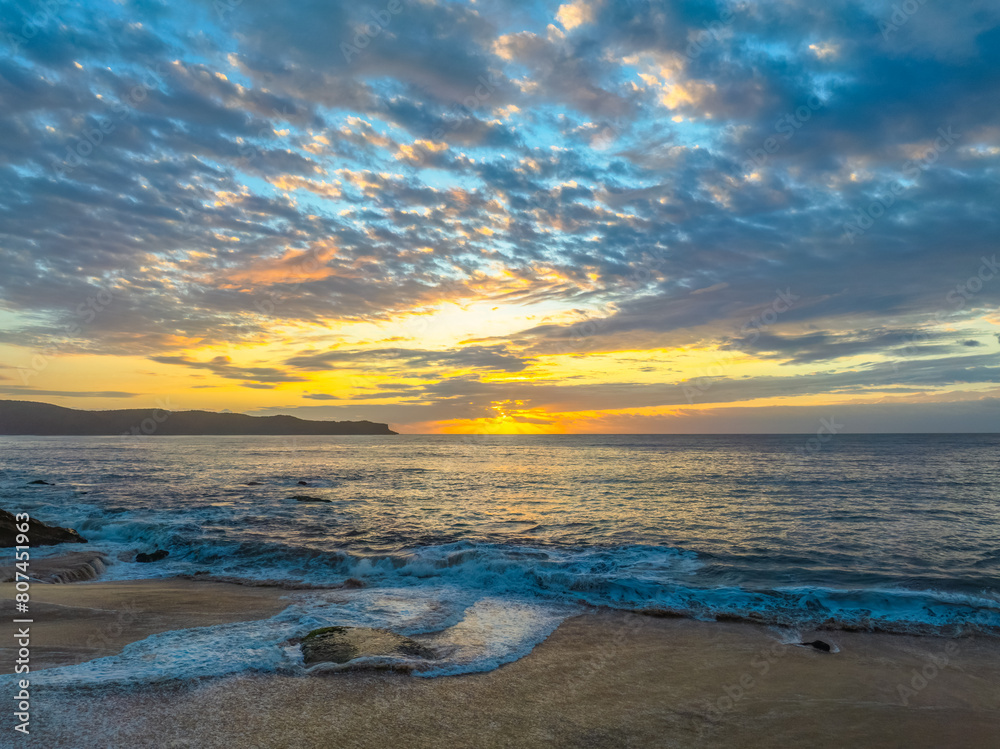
[{"x": 467, "y": 634}]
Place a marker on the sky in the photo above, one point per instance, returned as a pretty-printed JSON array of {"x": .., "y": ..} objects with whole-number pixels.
[{"x": 504, "y": 216}]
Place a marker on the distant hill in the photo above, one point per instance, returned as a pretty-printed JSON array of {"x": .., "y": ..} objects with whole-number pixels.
[{"x": 27, "y": 417}]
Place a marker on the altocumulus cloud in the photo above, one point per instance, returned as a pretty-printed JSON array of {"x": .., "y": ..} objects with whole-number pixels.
[{"x": 662, "y": 170}]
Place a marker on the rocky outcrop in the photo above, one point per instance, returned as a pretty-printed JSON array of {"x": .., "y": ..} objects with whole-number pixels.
[
  {"x": 345, "y": 644},
  {"x": 39, "y": 534},
  {"x": 305, "y": 498}
]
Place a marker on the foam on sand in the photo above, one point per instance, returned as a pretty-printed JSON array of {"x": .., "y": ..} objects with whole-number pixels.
[{"x": 466, "y": 635}]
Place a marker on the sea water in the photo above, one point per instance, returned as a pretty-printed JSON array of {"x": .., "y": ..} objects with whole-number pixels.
[{"x": 481, "y": 545}]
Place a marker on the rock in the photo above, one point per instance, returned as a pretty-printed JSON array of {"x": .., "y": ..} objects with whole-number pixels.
[
  {"x": 353, "y": 583},
  {"x": 303, "y": 483},
  {"x": 156, "y": 556},
  {"x": 343, "y": 644},
  {"x": 66, "y": 568},
  {"x": 84, "y": 569},
  {"x": 305, "y": 498},
  {"x": 252, "y": 483},
  {"x": 819, "y": 645},
  {"x": 39, "y": 482},
  {"x": 39, "y": 534}
]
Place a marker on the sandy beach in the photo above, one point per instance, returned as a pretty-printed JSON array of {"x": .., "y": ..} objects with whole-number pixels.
[{"x": 605, "y": 679}]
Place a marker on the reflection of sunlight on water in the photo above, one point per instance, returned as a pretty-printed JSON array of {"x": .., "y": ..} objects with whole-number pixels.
[{"x": 867, "y": 512}]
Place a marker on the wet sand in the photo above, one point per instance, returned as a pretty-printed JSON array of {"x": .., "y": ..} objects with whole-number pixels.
[
  {"x": 79, "y": 622},
  {"x": 605, "y": 679}
]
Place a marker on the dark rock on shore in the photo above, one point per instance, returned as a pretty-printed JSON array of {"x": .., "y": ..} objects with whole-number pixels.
[
  {"x": 39, "y": 534},
  {"x": 303, "y": 483},
  {"x": 39, "y": 482},
  {"x": 819, "y": 645},
  {"x": 305, "y": 498},
  {"x": 156, "y": 556},
  {"x": 343, "y": 644},
  {"x": 252, "y": 483}
]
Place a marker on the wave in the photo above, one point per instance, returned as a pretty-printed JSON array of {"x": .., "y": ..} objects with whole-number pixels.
[
  {"x": 222, "y": 542},
  {"x": 648, "y": 579}
]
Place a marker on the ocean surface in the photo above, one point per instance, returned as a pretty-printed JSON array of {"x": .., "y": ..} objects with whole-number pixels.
[{"x": 480, "y": 546}]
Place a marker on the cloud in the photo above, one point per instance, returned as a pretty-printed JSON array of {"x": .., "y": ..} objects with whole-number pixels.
[
  {"x": 24, "y": 393},
  {"x": 292, "y": 267},
  {"x": 400, "y": 360},
  {"x": 577, "y": 13},
  {"x": 623, "y": 175},
  {"x": 222, "y": 366},
  {"x": 830, "y": 345}
]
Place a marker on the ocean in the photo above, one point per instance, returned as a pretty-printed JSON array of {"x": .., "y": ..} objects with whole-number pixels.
[{"x": 482, "y": 545}]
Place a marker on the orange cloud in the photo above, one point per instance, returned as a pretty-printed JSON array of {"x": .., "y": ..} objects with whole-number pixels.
[
  {"x": 577, "y": 13},
  {"x": 291, "y": 182},
  {"x": 295, "y": 266}
]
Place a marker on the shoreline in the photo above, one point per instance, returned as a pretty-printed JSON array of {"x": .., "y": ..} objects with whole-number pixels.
[{"x": 603, "y": 678}]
